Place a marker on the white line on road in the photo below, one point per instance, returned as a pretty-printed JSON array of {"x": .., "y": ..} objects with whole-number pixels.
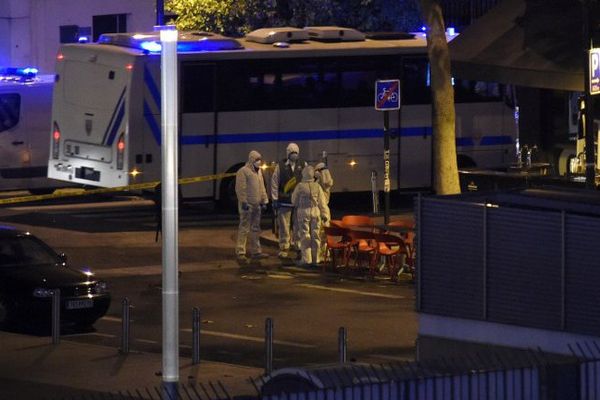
[
  {"x": 146, "y": 341},
  {"x": 341, "y": 290},
  {"x": 104, "y": 335},
  {"x": 111, "y": 319},
  {"x": 250, "y": 338}
]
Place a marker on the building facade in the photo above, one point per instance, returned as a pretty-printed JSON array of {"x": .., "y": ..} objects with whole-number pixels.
[{"x": 31, "y": 31}]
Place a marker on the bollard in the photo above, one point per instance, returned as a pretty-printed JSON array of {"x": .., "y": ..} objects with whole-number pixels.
[
  {"x": 268, "y": 346},
  {"x": 56, "y": 316},
  {"x": 374, "y": 192},
  {"x": 125, "y": 326},
  {"x": 342, "y": 344},
  {"x": 195, "y": 336}
]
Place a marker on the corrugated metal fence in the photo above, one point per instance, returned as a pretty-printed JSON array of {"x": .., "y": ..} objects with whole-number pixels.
[{"x": 509, "y": 264}]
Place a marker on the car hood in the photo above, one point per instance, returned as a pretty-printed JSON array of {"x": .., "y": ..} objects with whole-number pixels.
[{"x": 47, "y": 276}]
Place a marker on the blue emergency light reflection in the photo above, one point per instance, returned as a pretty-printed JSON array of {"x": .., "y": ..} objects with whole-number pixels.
[
  {"x": 152, "y": 47},
  {"x": 201, "y": 45},
  {"x": 28, "y": 72}
]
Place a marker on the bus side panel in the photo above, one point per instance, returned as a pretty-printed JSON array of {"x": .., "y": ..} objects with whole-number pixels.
[
  {"x": 143, "y": 152},
  {"x": 197, "y": 152},
  {"x": 485, "y": 132},
  {"x": 240, "y": 132}
]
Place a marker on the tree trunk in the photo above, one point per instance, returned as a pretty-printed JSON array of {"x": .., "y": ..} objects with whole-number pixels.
[{"x": 445, "y": 169}]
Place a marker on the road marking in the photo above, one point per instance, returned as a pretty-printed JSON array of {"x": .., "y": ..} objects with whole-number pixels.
[
  {"x": 111, "y": 319},
  {"x": 146, "y": 341},
  {"x": 281, "y": 276},
  {"x": 250, "y": 338},
  {"x": 341, "y": 290},
  {"x": 104, "y": 335},
  {"x": 149, "y": 270}
]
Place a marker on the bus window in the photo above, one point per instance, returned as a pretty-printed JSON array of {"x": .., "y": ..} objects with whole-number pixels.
[
  {"x": 10, "y": 106},
  {"x": 197, "y": 85},
  {"x": 476, "y": 91},
  {"x": 414, "y": 81}
]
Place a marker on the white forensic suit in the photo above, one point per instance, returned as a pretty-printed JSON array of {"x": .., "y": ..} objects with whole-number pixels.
[
  {"x": 310, "y": 203},
  {"x": 325, "y": 180},
  {"x": 252, "y": 197},
  {"x": 287, "y": 174}
]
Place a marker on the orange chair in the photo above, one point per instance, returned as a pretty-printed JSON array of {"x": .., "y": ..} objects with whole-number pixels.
[
  {"x": 362, "y": 221},
  {"x": 338, "y": 241},
  {"x": 364, "y": 246},
  {"x": 408, "y": 236},
  {"x": 394, "y": 254}
]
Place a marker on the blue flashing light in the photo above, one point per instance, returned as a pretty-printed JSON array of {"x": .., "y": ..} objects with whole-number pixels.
[
  {"x": 451, "y": 31},
  {"x": 20, "y": 74},
  {"x": 424, "y": 28},
  {"x": 151, "y": 46},
  {"x": 83, "y": 39}
]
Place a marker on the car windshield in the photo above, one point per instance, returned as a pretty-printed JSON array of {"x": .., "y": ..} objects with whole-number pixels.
[{"x": 25, "y": 250}]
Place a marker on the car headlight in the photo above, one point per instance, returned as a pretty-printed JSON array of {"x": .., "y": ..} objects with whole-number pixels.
[
  {"x": 100, "y": 287},
  {"x": 42, "y": 292}
]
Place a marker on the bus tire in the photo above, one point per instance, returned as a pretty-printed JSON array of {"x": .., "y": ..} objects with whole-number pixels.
[
  {"x": 227, "y": 196},
  {"x": 464, "y": 161}
]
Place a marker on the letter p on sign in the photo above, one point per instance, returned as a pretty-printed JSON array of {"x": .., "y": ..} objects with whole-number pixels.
[{"x": 594, "y": 61}]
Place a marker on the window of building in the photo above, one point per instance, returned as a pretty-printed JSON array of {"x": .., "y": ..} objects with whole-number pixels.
[{"x": 111, "y": 23}]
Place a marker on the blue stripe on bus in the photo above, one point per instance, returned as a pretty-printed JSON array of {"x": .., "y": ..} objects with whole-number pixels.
[
  {"x": 495, "y": 140},
  {"x": 465, "y": 142},
  {"x": 301, "y": 135},
  {"x": 152, "y": 87},
  {"x": 110, "y": 125},
  {"x": 116, "y": 125},
  {"x": 151, "y": 121}
]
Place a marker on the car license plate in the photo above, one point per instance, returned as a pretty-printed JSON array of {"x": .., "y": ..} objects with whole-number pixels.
[{"x": 77, "y": 304}]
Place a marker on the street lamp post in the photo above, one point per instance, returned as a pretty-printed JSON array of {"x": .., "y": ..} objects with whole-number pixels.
[{"x": 170, "y": 254}]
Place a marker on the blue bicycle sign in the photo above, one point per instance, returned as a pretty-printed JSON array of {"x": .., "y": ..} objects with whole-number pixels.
[{"x": 387, "y": 95}]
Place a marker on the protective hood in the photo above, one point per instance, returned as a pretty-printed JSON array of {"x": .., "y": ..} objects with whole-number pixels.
[
  {"x": 253, "y": 156},
  {"x": 292, "y": 148},
  {"x": 308, "y": 174},
  {"x": 319, "y": 166}
]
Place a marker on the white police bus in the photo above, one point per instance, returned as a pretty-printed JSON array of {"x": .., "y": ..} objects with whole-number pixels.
[
  {"x": 313, "y": 86},
  {"x": 25, "y": 104}
]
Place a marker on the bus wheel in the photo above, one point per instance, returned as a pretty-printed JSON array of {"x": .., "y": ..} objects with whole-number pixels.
[
  {"x": 465, "y": 162},
  {"x": 227, "y": 197}
]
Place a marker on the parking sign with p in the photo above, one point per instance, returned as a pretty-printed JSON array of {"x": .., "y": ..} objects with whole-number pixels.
[{"x": 594, "y": 60}]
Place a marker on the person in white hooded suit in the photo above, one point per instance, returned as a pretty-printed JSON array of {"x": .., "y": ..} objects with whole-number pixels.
[
  {"x": 311, "y": 209},
  {"x": 252, "y": 199}
]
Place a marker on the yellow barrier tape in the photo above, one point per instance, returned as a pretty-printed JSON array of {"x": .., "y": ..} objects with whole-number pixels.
[{"x": 135, "y": 186}]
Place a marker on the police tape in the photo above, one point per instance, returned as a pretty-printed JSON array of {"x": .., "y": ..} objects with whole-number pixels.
[{"x": 87, "y": 192}]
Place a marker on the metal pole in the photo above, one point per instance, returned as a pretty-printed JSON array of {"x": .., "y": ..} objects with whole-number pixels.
[
  {"x": 374, "y": 192},
  {"x": 343, "y": 344},
  {"x": 160, "y": 12},
  {"x": 195, "y": 336},
  {"x": 590, "y": 165},
  {"x": 56, "y": 316},
  {"x": 268, "y": 346},
  {"x": 125, "y": 326},
  {"x": 170, "y": 261},
  {"x": 386, "y": 165}
]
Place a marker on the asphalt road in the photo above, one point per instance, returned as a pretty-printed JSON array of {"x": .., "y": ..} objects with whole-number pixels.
[{"x": 115, "y": 237}]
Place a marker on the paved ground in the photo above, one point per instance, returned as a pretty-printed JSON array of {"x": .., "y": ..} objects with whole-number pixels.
[{"x": 118, "y": 242}]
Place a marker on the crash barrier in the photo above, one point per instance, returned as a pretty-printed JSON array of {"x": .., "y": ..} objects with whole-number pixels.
[
  {"x": 56, "y": 316},
  {"x": 87, "y": 192}
]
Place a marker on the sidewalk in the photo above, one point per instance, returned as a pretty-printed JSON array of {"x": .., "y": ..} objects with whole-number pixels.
[{"x": 33, "y": 368}]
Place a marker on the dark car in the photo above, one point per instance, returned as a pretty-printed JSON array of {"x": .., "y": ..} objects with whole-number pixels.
[{"x": 30, "y": 271}]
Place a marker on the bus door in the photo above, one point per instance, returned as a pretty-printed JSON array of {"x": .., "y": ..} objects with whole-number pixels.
[{"x": 198, "y": 126}]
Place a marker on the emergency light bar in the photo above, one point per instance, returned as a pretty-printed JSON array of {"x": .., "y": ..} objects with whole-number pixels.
[
  {"x": 18, "y": 74},
  {"x": 187, "y": 41}
]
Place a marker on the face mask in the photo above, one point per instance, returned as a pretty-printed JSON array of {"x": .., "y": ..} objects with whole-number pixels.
[
  {"x": 257, "y": 164},
  {"x": 293, "y": 157}
]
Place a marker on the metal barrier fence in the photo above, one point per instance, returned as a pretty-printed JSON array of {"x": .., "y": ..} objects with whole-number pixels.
[{"x": 198, "y": 391}]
